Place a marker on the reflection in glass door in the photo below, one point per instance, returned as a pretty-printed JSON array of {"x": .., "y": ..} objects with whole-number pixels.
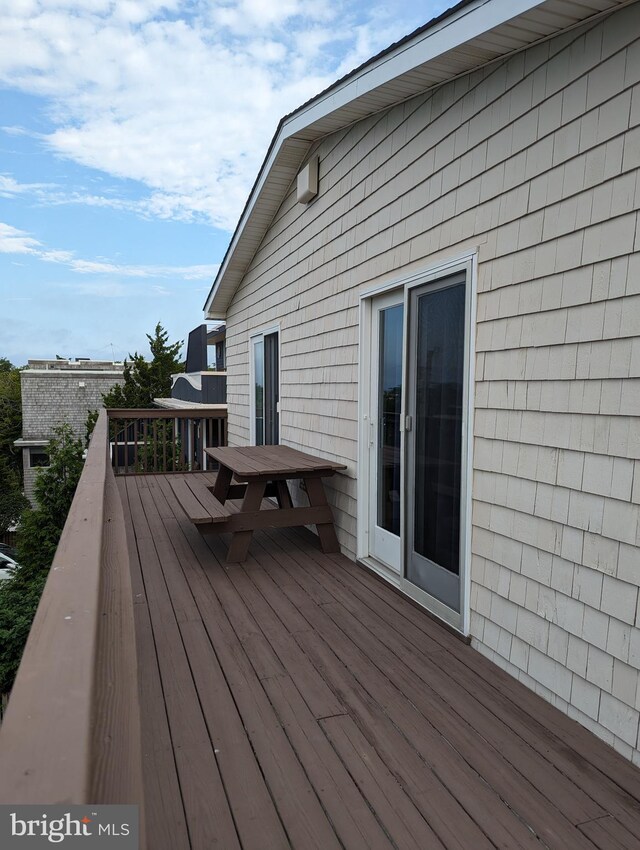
[
  {"x": 386, "y": 402},
  {"x": 435, "y": 442}
]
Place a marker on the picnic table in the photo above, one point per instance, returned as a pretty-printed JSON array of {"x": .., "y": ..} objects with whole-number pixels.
[{"x": 257, "y": 471}]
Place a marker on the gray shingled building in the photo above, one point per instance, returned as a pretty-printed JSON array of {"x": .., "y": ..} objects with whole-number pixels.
[{"x": 57, "y": 391}]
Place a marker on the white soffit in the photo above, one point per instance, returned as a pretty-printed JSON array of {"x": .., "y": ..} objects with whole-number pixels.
[{"x": 469, "y": 37}]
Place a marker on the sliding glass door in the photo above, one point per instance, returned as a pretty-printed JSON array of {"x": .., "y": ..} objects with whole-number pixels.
[{"x": 414, "y": 429}]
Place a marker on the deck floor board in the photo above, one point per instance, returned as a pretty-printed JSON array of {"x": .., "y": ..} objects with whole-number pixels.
[{"x": 298, "y": 701}]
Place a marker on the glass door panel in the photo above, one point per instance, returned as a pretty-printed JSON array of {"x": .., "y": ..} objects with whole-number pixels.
[
  {"x": 435, "y": 444},
  {"x": 271, "y": 390},
  {"x": 389, "y": 406},
  {"x": 258, "y": 389},
  {"x": 265, "y": 401},
  {"x": 384, "y": 416}
]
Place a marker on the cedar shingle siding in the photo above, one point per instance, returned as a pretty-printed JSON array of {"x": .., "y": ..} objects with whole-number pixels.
[{"x": 535, "y": 161}]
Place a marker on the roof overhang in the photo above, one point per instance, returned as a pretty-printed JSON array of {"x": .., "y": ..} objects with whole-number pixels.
[{"x": 468, "y": 36}]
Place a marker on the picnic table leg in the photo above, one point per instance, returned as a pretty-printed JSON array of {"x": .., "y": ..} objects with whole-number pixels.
[
  {"x": 241, "y": 539},
  {"x": 326, "y": 531},
  {"x": 223, "y": 482},
  {"x": 283, "y": 495}
]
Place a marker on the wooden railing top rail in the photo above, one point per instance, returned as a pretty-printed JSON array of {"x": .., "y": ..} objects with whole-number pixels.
[
  {"x": 71, "y": 730},
  {"x": 210, "y": 412}
]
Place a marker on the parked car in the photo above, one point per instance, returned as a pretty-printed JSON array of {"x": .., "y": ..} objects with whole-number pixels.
[{"x": 7, "y": 565}]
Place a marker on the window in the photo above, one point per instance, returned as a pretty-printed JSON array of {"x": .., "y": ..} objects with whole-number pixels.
[
  {"x": 265, "y": 388},
  {"x": 38, "y": 457}
]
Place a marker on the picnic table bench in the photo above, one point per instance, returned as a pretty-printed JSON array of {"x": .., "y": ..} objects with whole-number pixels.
[{"x": 259, "y": 471}]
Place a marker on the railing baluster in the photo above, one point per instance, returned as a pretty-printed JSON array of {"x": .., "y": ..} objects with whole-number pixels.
[
  {"x": 135, "y": 440},
  {"x": 144, "y": 445},
  {"x": 155, "y": 445},
  {"x": 164, "y": 446}
]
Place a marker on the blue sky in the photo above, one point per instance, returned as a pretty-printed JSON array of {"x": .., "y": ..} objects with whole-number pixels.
[{"x": 131, "y": 132}]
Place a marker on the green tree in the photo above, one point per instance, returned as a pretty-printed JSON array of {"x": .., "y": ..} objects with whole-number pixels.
[
  {"x": 145, "y": 380},
  {"x": 38, "y": 536},
  {"x": 12, "y": 500}
]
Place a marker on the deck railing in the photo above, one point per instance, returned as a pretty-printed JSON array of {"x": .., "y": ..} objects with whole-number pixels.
[
  {"x": 160, "y": 440},
  {"x": 71, "y": 732}
]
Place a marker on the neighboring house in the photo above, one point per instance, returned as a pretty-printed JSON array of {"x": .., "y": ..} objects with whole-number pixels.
[
  {"x": 436, "y": 280},
  {"x": 202, "y": 391},
  {"x": 54, "y": 392},
  {"x": 204, "y": 379}
]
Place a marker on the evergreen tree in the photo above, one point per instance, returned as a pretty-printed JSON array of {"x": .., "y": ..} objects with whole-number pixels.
[
  {"x": 12, "y": 500},
  {"x": 145, "y": 380},
  {"x": 38, "y": 536}
]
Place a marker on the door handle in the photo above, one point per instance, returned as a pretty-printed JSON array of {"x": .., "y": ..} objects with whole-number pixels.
[{"x": 408, "y": 423}]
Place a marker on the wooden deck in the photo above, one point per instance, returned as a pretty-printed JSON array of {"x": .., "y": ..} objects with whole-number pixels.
[{"x": 297, "y": 701}]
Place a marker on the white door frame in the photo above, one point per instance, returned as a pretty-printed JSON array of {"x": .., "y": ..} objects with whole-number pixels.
[
  {"x": 259, "y": 333},
  {"x": 468, "y": 263}
]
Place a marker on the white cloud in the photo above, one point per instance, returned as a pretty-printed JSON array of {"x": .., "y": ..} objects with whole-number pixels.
[
  {"x": 14, "y": 241},
  {"x": 182, "y": 96}
]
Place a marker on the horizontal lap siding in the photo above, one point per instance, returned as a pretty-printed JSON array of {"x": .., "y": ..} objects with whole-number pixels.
[{"x": 535, "y": 161}]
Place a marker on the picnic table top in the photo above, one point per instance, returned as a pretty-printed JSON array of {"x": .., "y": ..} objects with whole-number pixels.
[{"x": 265, "y": 461}]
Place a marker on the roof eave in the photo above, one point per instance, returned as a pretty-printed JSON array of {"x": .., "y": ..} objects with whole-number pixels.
[{"x": 362, "y": 93}]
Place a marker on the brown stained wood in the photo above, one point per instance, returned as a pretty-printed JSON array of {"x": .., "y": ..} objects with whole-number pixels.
[
  {"x": 199, "y": 504},
  {"x": 283, "y": 495},
  {"x": 131, "y": 413},
  {"x": 116, "y": 770},
  {"x": 261, "y": 466},
  {"x": 321, "y": 700},
  {"x": 222, "y": 484},
  {"x": 326, "y": 531},
  {"x": 206, "y": 807},
  {"x": 399, "y": 816},
  {"x": 608, "y": 833},
  {"x": 135, "y": 572},
  {"x": 437, "y": 683},
  {"x": 355, "y": 824},
  {"x": 356, "y": 720},
  {"x": 166, "y": 826},
  {"x": 446, "y": 763},
  {"x": 259, "y": 826},
  {"x": 432, "y": 718},
  {"x": 453, "y": 825},
  {"x": 297, "y": 804},
  {"x": 270, "y": 461},
  {"x": 241, "y": 539},
  {"x": 561, "y": 730},
  {"x": 377, "y": 613},
  {"x": 47, "y": 746},
  {"x": 245, "y": 520}
]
